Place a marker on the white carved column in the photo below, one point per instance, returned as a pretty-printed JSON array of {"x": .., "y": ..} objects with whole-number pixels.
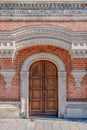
[
  {"x": 62, "y": 94},
  {"x": 8, "y": 76},
  {"x": 78, "y": 76},
  {"x": 24, "y": 77}
]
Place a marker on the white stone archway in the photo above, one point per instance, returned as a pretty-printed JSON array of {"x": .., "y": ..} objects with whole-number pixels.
[{"x": 24, "y": 78}]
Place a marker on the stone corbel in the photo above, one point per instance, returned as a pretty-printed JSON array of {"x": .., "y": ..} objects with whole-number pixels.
[
  {"x": 78, "y": 76},
  {"x": 8, "y": 76}
]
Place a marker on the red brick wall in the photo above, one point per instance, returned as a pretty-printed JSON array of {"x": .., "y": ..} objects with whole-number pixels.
[
  {"x": 78, "y": 26},
  {"x": 73, "y": 92},
  {"x": 79, "y": 63},
  {"x": 6, "y": 63}
]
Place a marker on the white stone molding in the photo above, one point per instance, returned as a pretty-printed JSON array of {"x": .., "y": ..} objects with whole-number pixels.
[
  {"x": 37, "y": 35},
  {"x": 41, "y": 41},
  {"x": 24, "y": 77},
  {"x": 79, "y": 49},
  {"x": 82, "y": 45},
  {"x": 8, "y": 76},
  {"x": 78, "y": 76},
  {"x": 12, "y": 42},
  {"x": 7, "y": 49},
  {"x": 78, "y": 53},
  {"x": 62, "y": 93},
  {"x": 43, "y": 10},
  {"x": 43, "y": 56}
]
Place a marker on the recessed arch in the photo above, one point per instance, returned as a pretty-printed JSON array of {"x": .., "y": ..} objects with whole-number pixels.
[
  {"x": 24, "y": 76},
  {"x": 43, "y": 56}
]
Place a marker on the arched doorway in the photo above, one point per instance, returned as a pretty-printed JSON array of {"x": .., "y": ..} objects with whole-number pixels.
[
  {"x": 43, "y": 89},
  {"x": 24, "y": 79}
]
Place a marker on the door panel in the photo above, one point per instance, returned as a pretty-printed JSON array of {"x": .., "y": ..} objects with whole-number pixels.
[
  {"x": 43, "y": 89},
  {"x": 36, "y": 69}
]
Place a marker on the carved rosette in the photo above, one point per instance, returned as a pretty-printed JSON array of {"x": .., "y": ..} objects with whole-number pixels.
[
  {"x": 78, "y": 76},
  {"x": 8, "y": 76}
]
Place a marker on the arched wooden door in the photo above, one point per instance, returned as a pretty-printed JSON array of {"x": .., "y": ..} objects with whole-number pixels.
[{"x": 43, "y": 93}]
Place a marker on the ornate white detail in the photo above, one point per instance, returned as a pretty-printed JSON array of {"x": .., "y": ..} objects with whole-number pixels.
[
  {"x": 7, "y": 49},
  {"x": 51, "y": 10},
  {"x": 78, "y": 75},
  {"x": 8, "y": 76},
  {"x": 79, "y": 53},
  {"x": 79, "y": 45},
  {"x": 42, "y": 41},
  {"x": 79, "y": 49},
  {"x": 39, "y": 35}
]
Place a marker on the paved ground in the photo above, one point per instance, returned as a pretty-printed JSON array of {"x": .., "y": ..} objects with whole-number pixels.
[{"x": 42, "y": 124}]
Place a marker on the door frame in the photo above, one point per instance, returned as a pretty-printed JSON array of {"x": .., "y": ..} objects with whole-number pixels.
[
  {"x": 24, "y": 80},
  {"x": 43, "y": 78}
]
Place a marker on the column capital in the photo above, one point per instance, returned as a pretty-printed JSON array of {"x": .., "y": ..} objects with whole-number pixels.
[
  {"x": 24, "y": 74},
  {"x": 8, "y": 76},
  {"x": 78, "y": 76}
]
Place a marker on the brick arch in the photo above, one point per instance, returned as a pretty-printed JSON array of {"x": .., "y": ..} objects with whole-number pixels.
[
  {"x": 43, "y": 56},
  {"x": 28, "y": 51}
]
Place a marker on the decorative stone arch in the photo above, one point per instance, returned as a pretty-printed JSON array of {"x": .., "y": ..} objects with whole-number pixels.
[
  {"x": 24, "y": 78},
  {"x": 42, "y": 35}
]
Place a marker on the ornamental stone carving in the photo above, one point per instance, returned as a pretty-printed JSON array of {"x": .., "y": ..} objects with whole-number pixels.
[
  {"x": 78, "y": 76},
  {"x": 8, "y": 76},
  {"x": 49, "y": 10},
  {"x": 79, "y": 49},
  {"x": 7, "y": 49},
  {"x": 11, "y": 43}
]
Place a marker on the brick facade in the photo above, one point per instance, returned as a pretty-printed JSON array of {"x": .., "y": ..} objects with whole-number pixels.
[
  {"x": 32, "y": 34},
  {"x": 73, "y": 93},
  {"x": 77, "y": 26}
]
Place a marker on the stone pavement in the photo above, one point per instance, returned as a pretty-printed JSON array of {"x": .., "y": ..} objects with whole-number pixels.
[{"x": 43, "y": 124}]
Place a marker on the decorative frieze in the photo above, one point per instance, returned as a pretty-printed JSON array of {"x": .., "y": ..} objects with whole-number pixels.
[
  {"x": 43, "y": 5},
  {"x": 8, "y": 76},
  {"x": 41, "y": 12},
  {"x": 11, "y": 43},
  {"x": 79, "y": 49},
  {"x": 82, "y": 45},
  {"x": 18, "y": 10},
  {"x": 7, "y": 49},
  {"x": 78, "y": 76},
  {"x": 79, "y": 53}
]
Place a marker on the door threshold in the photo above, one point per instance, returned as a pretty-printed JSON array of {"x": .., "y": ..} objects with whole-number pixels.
[{"x": 43, "y": 118}]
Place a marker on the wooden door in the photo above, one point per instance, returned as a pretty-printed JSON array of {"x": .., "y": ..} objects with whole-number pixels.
[{"x": 43, "y": 93}]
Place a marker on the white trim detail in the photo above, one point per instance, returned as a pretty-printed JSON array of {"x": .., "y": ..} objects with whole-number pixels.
[
  {"x": 12, "y": 42},
  {"x": 79, "y": 49},
  {"x": 24, "y": 77},
  {"x": 8, "y": 76},
  {"x": 78, "y": 75}
]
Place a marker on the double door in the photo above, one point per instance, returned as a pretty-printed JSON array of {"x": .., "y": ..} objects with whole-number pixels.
[{"x": 43, "y": 89}]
